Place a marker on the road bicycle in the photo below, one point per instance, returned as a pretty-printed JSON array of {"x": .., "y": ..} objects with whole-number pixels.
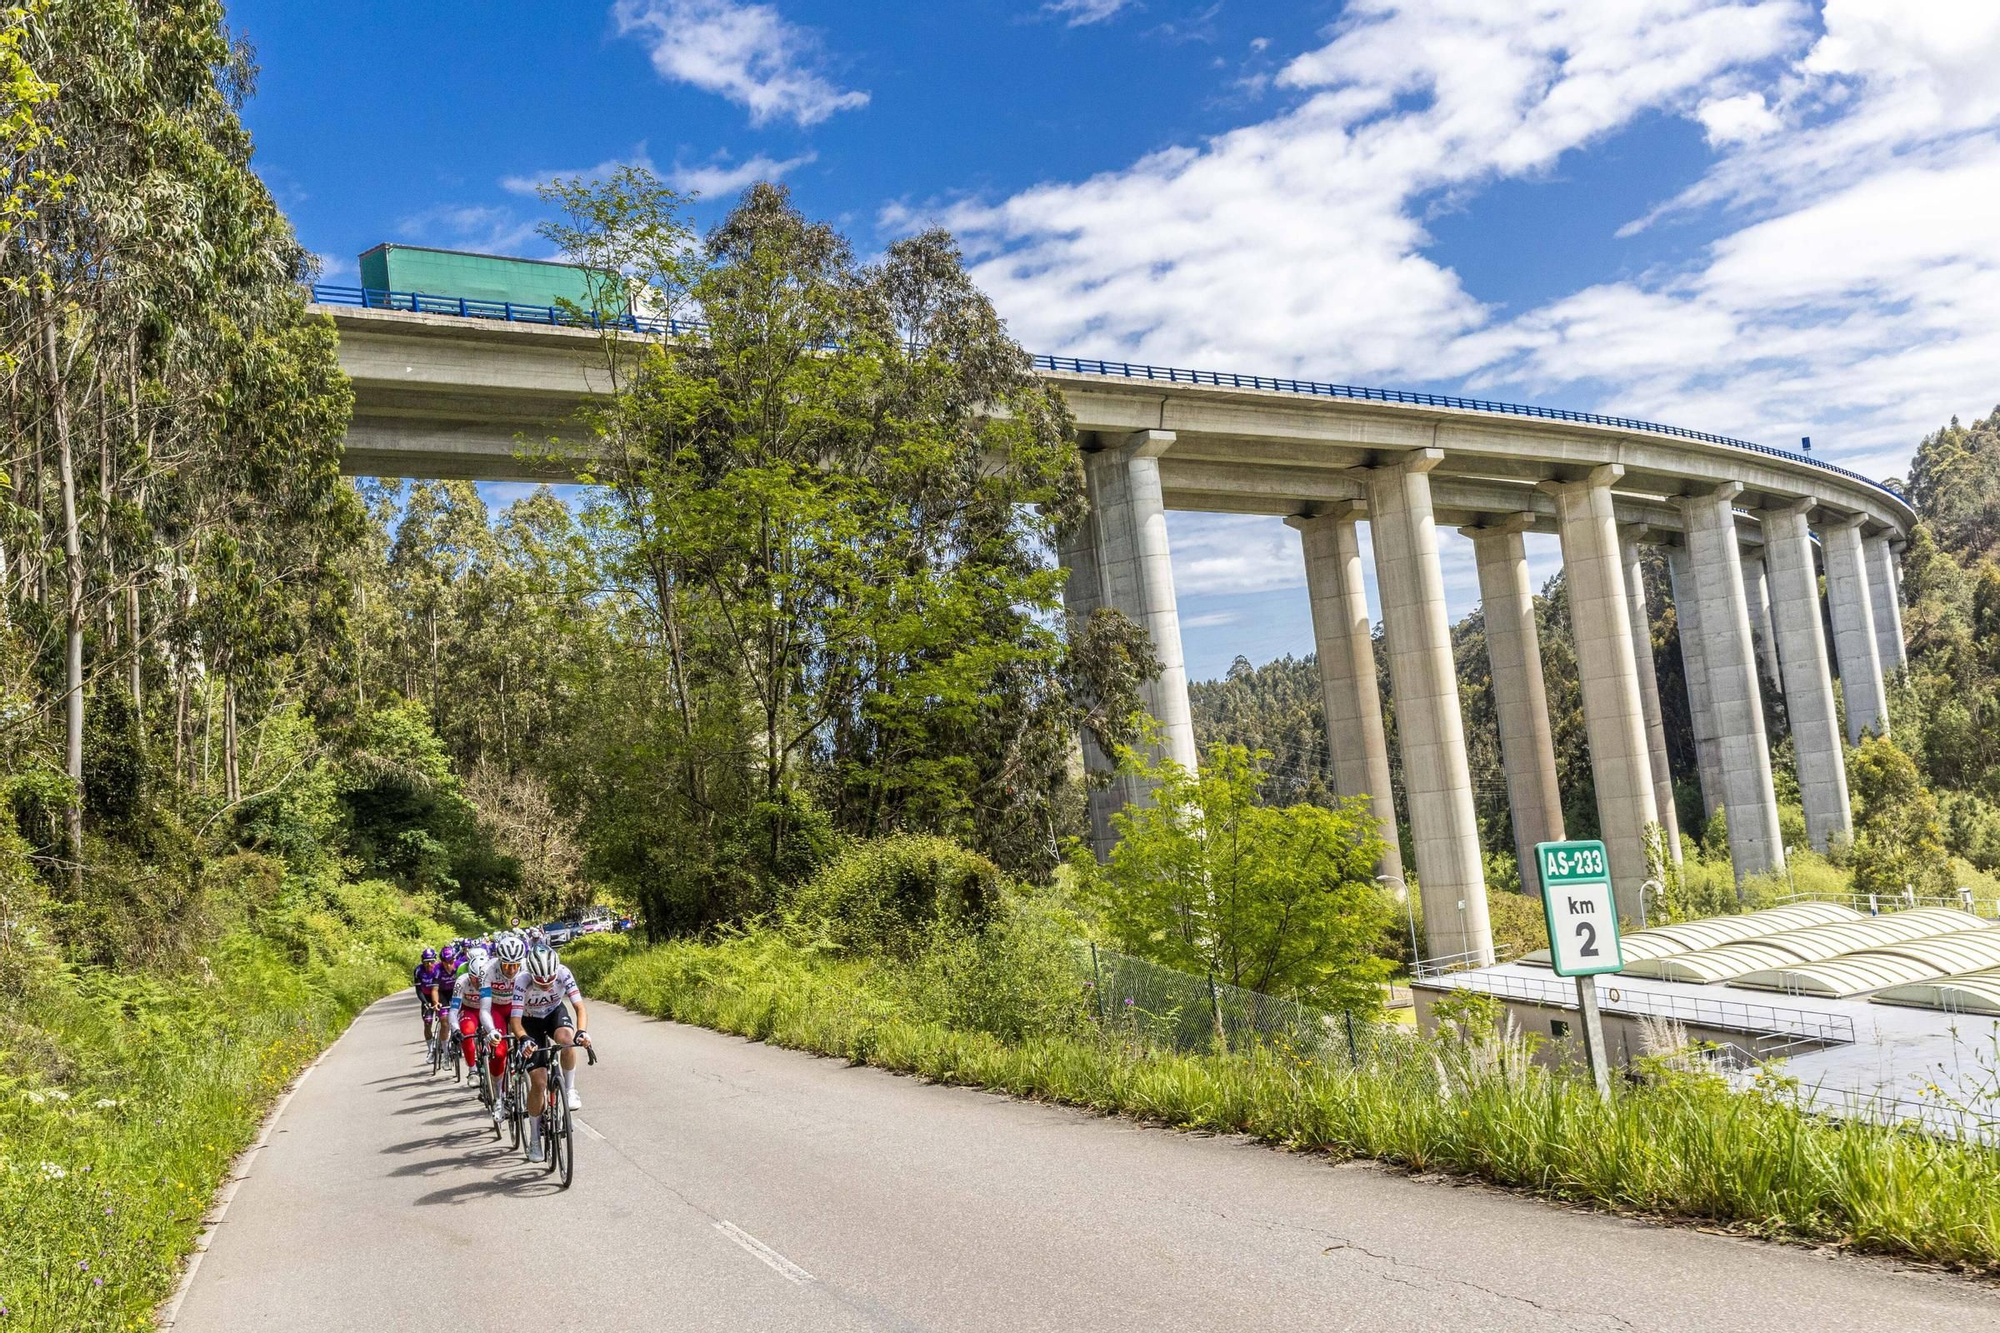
[
  {"x": 456, "y": 1056},
  {"x": 515, "y": 1091},
  {"x": 489, "y": 1087},
  {"x": 557, "y": 1121},
  {"x": 436, "y": 1044}
]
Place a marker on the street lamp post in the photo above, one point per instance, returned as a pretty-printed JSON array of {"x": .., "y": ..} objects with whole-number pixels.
[{"x": 1409, "y": 912}]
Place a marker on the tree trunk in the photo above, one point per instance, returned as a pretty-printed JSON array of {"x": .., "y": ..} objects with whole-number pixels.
[
  {"x": 72, "y": 611},
  {"x": 232, "y": 787}
]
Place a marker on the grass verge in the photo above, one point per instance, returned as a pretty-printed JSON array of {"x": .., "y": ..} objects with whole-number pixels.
[
  {"x": 1680, "y": 1147},
  {"x": 123, "y": 1098}
]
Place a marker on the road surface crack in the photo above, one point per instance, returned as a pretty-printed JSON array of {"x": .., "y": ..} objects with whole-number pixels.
[
  {"x": 1420, "y": 1277},
  {"x": 1441, "y": 1277}
]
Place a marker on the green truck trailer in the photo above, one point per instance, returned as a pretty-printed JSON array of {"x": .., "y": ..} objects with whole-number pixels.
[{"x": 528, "y": 282}]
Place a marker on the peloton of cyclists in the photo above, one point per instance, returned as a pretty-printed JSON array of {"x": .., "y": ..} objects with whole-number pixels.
[{"x": 506, "y": 988}]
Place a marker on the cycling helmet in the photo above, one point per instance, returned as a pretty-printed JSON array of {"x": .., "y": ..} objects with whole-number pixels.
[
  {"x": 542, "y": 963},
  {"x": 475, "y": 960},
  {"x": 510, "y": 950},
  {"x": 449, "y": 957},
  {"x": 430, "y": 955}
]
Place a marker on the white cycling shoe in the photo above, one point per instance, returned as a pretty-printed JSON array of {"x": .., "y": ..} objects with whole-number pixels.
[{"x": 575, "y": 1101}]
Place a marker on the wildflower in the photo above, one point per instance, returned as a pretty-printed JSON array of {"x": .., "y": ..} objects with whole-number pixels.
[
  {"x": 59, "y": 1094},
  {"x": 36, "y": 1098},
  {"x": 53, "y": 1171},
  {"x": 105, "y": 1103},
  {"x": 97, "y": 1282},
  {"x": 83, "y": 1265}
]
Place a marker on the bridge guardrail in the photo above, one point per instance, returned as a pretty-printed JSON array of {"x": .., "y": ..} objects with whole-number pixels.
[{"x": 466, "y": 307}]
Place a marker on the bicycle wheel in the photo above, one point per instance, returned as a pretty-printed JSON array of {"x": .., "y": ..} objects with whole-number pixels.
[
  {"x": 551, "y": 1134},
  {"x": 563, "y": 1145}
]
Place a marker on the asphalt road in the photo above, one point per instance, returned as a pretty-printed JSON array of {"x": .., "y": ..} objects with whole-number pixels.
[{"x": 723, "y": 1186}]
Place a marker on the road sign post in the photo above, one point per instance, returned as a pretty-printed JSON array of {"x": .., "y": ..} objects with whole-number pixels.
[{"x": 1582, "y": 917}]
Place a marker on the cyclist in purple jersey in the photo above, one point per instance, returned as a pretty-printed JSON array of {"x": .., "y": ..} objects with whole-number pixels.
[{"x": 431, "y": 981}]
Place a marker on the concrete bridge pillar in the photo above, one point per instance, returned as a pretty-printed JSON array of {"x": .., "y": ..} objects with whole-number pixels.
[
  {"x": 1884, "y": 603},
  {"x": 1118, "y": 558},
  {"x": 1822, "y": 767},
  {"x": 1601, "y": 621},
  {"x": 1855, "y": 646},
  {"x": 1649, "y": 692},
  {"x": 1694, "y": 670},
  {"x": 1757, "y": 589},
  {"x": 1430, "y": 730},
  {"x": 1358, "y": 755},
  {"x": 1730, "y": 662},
  {"x": 1520, "y": 697}
]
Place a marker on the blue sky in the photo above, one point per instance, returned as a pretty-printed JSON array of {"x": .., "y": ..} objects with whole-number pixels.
[{"x": 1768, "y": 218}]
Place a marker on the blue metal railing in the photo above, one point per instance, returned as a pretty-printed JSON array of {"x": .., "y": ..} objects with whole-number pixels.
[{"x": 474, "y": 308}]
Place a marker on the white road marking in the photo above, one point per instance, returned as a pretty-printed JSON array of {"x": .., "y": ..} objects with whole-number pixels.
[
  {"x": 784, "y": 1267},
  {"x": 585, "y": 1127}
]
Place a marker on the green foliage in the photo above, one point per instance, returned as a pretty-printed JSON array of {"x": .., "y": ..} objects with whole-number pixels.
[
  {"x": 1273, "y": 899},
  {"x": 124, "y": 1095},
  {"x": 893, "y": 895},
  {"x": 1519, "y": 924},
  {"x": 1898, "y": 843}
]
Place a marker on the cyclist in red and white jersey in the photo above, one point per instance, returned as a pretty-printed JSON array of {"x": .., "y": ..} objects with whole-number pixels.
[{"x": 497, "y": 982}]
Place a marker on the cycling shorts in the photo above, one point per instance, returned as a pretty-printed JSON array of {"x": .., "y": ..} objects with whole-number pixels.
[{"x": 542, "y": 1031}]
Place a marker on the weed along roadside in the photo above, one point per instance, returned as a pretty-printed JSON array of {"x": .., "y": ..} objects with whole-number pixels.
[
  {"x": 151, "y": 1086},
  {"x": 1468, "y": 1102}
]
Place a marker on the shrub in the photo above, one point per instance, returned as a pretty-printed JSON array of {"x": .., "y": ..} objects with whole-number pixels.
[{"x": 888, "y": 895}]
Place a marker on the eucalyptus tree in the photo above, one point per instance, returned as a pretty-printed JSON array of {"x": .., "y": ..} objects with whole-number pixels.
[
  {"x": 174, "y": 422},
  {"x": 834, "y": 500}
]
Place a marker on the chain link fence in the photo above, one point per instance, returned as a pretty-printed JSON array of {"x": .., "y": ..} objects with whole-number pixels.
[{"x": 1160, "y": 1008}]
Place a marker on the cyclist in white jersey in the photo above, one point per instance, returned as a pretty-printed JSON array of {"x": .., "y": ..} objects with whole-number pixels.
[{"x": 540, "y": 1016}]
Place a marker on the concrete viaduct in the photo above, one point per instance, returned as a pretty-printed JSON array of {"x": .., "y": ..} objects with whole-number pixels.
[{"x": 438, "y": 395}]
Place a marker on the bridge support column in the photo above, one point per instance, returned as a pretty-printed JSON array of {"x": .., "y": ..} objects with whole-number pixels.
[
  {"x": 1855, "y": 646},
  {"x": 1757, "y": 590},
  {"x": 1694, "y": 670},
  {"x": 1358, "y": 754},
  {"x": 1436, "y": 775},
  {"x": 1730, "y": 659},
  {"x": 1520, "y": 697},
  {"x": 1649, "y": 695},
  {"x": 1884, "y": 603},
  {"x": 1601, "y": 621},
  {"x": 1118, "y": 558},
  {"x": 1822, "y": 767}
]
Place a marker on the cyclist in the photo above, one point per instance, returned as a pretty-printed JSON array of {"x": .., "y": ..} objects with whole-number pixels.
[
  {"x": 430, "y": 979},
  {"x": 498, "y": 981},
  {"x": 539, "y": 1016},
  {"x": 465, "y": 1017}
]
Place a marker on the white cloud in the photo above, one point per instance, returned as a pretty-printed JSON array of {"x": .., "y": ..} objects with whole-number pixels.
[
  {"x": 1233, "y": 553},
  {"x": 1296, "y": 244},
  {"x": 1841, "y": 283},
  {"x": 1736, "y": 119},
  {"x": 1082, "y": 12},
  {"x": 531, "y": 182},
  {"x": 484, "y": 227},
  {"x": 717, "y": 176},
  {"x": 747, "y": 53},
  {"x": 725, "y": 177}
]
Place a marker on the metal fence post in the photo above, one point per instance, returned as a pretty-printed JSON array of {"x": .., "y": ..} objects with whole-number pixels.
[
  {"x": 1353, "y": 1051},
  {"x": 1097, "y": 980}
]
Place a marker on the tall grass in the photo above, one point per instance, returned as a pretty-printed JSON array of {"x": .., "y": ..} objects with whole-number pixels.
[
  {"x": 123, "y": 1098},
  {"x": 1680, "y": 1147}
]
